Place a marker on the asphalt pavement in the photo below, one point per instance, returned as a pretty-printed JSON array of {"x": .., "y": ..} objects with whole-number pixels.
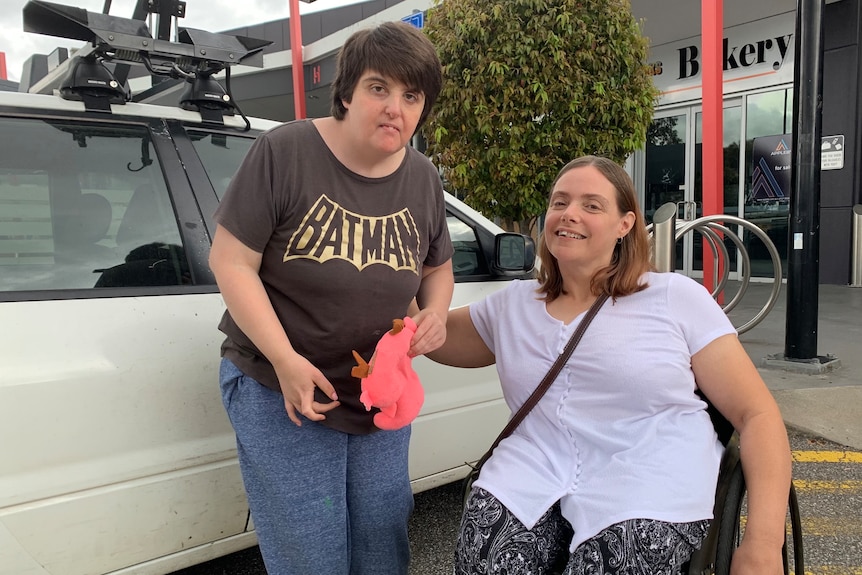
[{"x": 820, "y": 397}]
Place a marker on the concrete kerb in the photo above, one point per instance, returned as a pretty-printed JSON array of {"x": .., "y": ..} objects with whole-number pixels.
[
  {"x": 822, "y": 396},
  {"x": 820, "y": 364}
]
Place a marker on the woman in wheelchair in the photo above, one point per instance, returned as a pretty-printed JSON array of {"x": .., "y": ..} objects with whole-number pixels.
[{"x": 615, "y": 469}]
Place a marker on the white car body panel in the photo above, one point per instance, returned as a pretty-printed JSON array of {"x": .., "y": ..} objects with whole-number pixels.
[{"x": 111, "y": 412}]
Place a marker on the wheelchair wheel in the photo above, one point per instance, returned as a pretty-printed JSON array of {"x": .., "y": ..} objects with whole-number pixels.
[
  {"x": 796, "y": 529},
  {"x": 731, "y": 527}
]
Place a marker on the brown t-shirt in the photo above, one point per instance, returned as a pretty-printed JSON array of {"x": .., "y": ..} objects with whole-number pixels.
[{"x": 342, "y": 254}]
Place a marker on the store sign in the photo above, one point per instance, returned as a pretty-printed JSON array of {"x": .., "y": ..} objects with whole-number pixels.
[
  {"x": 772, "y": 51},
  {"x": 755, "y": 55},
  {"x": 321, "y": 72},
  {"x": 417, "y": 20}
]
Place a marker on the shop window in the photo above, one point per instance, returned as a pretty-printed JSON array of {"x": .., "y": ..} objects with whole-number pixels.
[{"x": 769, "y": 116}]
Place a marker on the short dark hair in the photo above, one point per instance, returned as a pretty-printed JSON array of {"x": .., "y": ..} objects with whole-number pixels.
[{"x": 394, "y": 49}]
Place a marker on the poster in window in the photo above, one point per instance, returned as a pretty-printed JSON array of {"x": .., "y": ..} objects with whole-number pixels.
[{"x": 770, "y": 174}]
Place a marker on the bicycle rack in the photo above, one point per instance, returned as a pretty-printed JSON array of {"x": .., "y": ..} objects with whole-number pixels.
[{"x": 714, "y": 229}]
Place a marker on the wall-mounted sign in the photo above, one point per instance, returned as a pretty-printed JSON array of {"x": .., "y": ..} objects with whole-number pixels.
[
  {"x": 755, "y": 55},
  {"x": 770, "y": 174},
  {"x": 832, "y": 152},
  {"x": 417, "y": 19}
]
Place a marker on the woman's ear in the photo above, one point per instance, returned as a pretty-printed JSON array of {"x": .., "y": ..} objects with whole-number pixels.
[{"x": 627, "y": 223}]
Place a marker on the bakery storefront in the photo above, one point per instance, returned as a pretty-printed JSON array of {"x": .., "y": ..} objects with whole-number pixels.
[{"x": 758, "y": 106}]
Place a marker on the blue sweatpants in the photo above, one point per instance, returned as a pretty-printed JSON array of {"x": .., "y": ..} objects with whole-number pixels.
[{"x": 322, "y": 501}]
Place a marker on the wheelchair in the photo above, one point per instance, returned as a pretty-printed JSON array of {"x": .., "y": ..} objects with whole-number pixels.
[{"x": 727, "y": 527}]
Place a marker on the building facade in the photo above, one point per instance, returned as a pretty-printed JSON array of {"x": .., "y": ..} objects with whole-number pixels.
[
  {"x": 758, "y": 64},
  {"x": 758, "y": 71}
]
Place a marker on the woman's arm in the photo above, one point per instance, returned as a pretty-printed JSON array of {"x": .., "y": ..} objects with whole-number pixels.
[
  {"x": 463, "y": 347},
  {"x": 728, "y": 378},
  {"x": 236, "y": 268},
  {"x": 430, "y": 307}
]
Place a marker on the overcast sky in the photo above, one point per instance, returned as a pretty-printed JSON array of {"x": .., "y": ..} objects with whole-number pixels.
[{"x": 212, "y": 15}]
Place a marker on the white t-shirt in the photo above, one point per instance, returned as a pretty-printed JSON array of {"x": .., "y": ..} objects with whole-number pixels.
[{"x": 620, "y": 434}]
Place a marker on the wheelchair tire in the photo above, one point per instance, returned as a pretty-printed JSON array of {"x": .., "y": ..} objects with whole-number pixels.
[
  {"x": 796, "y": 528},
  {"x": 730, "y": 531},
  {"x": 729, "y": 521}
]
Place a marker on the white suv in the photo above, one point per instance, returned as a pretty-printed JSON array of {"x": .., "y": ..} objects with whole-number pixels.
[{"x": 117, "y": 456}]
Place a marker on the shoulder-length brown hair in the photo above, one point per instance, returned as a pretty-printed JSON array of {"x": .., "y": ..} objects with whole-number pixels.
[{"x": 631, "y": 257}]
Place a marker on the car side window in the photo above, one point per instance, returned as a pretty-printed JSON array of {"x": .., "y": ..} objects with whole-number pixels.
[
  {"x": 221, "y": 155},
  {"x": 468, "y": 259},
  {"x": 84, "y": 205}
]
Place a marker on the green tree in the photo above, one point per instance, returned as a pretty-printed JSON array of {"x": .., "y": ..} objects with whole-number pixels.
[{"x": 528, "y": 86}]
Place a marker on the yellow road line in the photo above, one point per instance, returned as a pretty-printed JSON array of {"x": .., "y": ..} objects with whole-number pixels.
[
  {"x": 822, "y": 526},
  {"x": 805, "y": 485},
  {"x": 831, "y": 526},
  {"x": 832, "y": 570},
  {"x": 827, "y": 456}
]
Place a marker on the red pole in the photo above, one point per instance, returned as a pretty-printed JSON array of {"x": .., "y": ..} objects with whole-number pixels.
[
  {"x": 3, "y": 66},
  {"x": 297, "y": 66},
  {"x": 712, "y": 31}
]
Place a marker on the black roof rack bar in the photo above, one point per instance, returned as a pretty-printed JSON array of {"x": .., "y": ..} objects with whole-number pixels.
[
  {"x": 111, "y": 33},
  {"x": 128, "y": 41},
  {"x": 195, "y": 57}
]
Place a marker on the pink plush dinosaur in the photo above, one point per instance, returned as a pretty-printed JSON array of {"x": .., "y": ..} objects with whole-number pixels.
[{"x": 388, "y": 379}]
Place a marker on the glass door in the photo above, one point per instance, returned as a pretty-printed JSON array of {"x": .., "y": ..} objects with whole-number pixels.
[
  {"x": 673, "y": 172},
  {"x": 667, "y": 170},
  {"x": 768, "y": 121},
  {"x": 732, "y": 136}
]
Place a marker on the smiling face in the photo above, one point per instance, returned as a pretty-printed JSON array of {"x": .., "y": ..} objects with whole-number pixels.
[
  {"x": 583, "y": 221},
  {"x": 383, "y": 113}
]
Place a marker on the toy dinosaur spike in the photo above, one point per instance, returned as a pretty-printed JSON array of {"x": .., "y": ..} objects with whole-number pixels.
[{"x": 361, "y": 369}]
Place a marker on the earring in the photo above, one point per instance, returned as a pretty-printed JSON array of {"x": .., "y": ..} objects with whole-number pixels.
[{"x": 619, "y": 241}]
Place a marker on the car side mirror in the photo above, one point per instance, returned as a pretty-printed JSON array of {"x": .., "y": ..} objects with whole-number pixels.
[{"x": 514, "y": 253}]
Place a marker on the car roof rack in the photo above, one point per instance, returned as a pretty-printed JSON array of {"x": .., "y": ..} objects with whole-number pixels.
[{"x": 194, "y": 58}]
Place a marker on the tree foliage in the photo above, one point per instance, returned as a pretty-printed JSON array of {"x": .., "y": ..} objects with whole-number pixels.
[{"x": 530, "y": 85}]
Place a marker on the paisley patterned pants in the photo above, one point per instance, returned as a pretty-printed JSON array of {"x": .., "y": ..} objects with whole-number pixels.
[{"x": 492, "y": 541}]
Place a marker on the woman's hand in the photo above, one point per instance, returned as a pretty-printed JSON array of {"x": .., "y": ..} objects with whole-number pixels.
[
  {"x": 430, "y": 332},
  {"x": 237, "y": 268},
  {"x": 432, "y": 300},
  {"x": 750, "y": 558},
  {"x": 297, "y": 378}
]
